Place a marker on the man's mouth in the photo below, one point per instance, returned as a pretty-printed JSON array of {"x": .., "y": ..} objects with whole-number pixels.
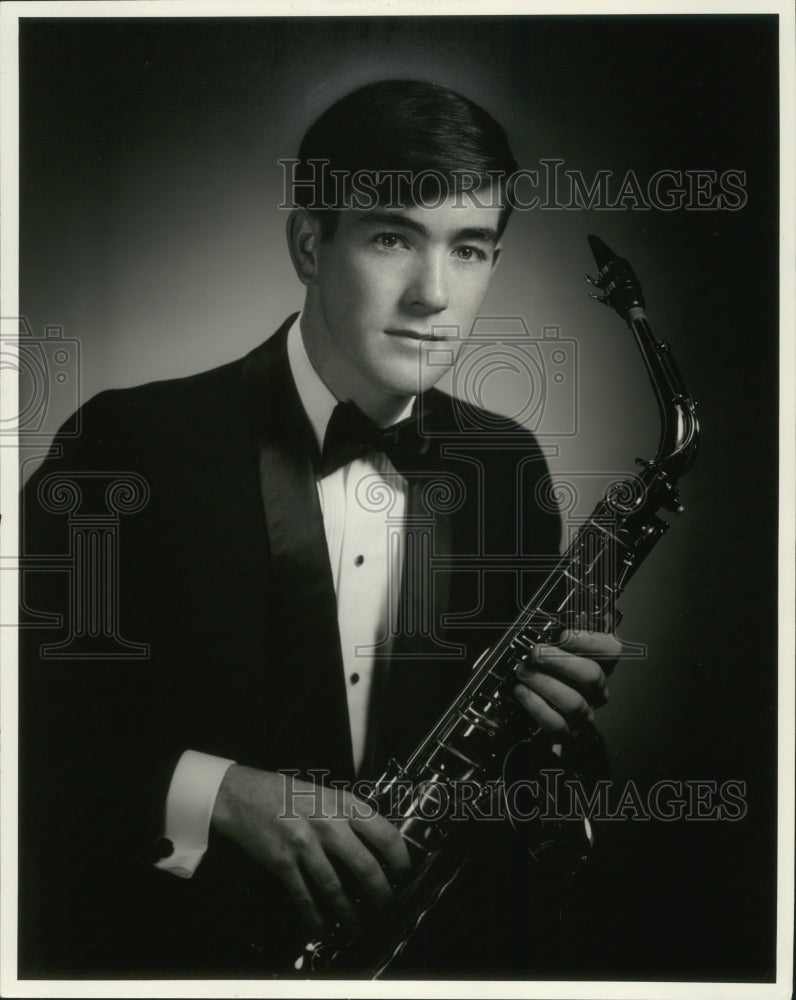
[{"x": 414, "y": 334}]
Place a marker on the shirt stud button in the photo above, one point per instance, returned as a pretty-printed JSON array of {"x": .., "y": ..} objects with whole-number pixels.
[
  {"x": 354, "y": 678},
  {"x": 359, "y": 560}
]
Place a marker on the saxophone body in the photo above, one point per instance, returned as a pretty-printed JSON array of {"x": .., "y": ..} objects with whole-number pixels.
[{"x": 471, "y": 740}]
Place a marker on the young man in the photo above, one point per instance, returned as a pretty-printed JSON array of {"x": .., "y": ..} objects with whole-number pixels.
[{"x": 275, "y": 591}]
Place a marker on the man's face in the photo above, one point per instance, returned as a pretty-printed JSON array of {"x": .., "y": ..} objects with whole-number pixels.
[{"x": 391, "y": 282}]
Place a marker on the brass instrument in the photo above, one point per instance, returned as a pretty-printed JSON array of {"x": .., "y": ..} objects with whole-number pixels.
[{"x": 472, "y": 738}]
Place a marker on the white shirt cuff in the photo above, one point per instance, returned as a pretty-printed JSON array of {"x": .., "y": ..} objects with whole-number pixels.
[{"x": 189, "y": 808}]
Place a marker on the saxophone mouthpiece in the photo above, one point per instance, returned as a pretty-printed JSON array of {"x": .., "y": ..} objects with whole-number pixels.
[
  {"x": 616, "y": 279},
  {"x": 603, "y": 254}
]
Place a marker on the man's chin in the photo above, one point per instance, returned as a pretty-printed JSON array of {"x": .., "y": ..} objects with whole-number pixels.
[
  {"x": 415, "y": 383},
  {"x": 403, "y": 376}
]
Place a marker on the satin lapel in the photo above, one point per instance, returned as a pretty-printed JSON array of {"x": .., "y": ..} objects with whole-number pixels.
[{"x": 310, "y": 722}]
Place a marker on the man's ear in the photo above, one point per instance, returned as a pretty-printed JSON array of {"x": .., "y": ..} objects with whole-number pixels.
[{"x": 303, "y": 238}]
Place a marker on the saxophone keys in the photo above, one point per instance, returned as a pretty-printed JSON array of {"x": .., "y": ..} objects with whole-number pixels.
[{"x": 522, "y": 646}]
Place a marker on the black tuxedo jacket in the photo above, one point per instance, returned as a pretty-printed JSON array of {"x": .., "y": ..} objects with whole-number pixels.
[{"x": 223, "y": 577}]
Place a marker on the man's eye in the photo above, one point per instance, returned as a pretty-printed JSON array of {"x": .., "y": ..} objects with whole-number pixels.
[
  {"x": 389, "y": 240},
  {"x": 469, "y": 253}
]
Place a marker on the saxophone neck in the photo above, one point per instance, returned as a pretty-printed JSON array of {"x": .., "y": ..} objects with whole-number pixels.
[
  {"x": 679, "y": 434},
  {"x": 621, "y": 290}
]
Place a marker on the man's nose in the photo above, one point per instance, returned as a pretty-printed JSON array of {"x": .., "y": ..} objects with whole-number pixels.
[{"x": 428, "y": 289}]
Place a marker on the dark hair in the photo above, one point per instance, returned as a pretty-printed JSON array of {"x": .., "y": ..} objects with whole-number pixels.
[{"x": 408, "y": 126}]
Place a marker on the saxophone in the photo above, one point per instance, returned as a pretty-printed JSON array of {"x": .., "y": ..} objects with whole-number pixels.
[{"x": 472, "y": 739}]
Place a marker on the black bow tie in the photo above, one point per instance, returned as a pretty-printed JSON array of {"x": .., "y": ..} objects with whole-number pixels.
[{"x": 351, "y": 434}]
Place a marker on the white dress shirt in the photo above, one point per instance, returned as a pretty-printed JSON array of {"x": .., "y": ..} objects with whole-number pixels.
[{"x": 366, "y": 570}]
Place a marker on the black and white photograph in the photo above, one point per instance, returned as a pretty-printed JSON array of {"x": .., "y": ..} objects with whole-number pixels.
[{"x": 397, "y": 519}]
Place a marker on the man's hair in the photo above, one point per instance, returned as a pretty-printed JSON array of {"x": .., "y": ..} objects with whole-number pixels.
[{"x": 413, "y": 137}]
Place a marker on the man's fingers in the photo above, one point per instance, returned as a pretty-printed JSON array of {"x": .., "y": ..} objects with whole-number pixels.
[
  {"x": 369, "y": 873},
  {"x": 379, "y": 832},
  {"x": 586, "y": 674},
  {"x": 323, "y": 875},
  {"x": 538, "y": 709},
  {"x": 302, "y": 898},
  {"x": 559, "y": 696},
  {"x": 601, "y": 645}
]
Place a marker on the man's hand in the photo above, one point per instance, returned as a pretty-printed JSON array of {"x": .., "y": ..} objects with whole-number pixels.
[
  {"x": 562, "y": 685},
  {"x": 297, "y": 830}
]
